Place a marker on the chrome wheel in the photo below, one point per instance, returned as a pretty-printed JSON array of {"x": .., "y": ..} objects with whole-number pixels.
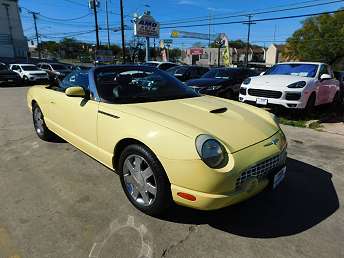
[
  {"x": 139, "y": 180},
  {"x": 38, "y": 120}
]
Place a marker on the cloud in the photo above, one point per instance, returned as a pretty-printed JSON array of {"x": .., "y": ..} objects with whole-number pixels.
[{"x": 188, "y": 2}]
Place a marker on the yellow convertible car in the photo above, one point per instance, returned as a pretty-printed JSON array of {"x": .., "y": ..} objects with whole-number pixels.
[{"x": 166, "y": 142}]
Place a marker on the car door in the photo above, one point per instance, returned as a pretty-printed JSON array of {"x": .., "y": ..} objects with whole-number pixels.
[
  {"x": 75, "y": 118},
  {"x": 323, "y": 86}
]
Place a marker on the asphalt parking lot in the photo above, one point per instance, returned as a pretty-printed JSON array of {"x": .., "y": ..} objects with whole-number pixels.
[{"x": 58, "y": 202}]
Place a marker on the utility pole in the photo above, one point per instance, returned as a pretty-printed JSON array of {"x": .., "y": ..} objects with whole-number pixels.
[
  {"x": 249, "y": 23},
  {"x": 209, "y": 29},
  {"x": 34, "y": 15},
  {"x": 107, "y": 23},
  {"x": 96, "y": 22},
  {"x": 10, "y": 28},
  {"x": 122, "y": 31}
]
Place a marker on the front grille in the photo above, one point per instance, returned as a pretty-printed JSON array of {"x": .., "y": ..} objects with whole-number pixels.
[
  {"x": 292, "y": 96},
  {"x": 262, "y": 169},
  {"x": 265, "y": 93}
]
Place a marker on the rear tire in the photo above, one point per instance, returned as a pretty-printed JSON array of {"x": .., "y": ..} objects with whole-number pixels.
[
  {"x": 144, "y": 180},
  {"x": 41, "y": 128}
]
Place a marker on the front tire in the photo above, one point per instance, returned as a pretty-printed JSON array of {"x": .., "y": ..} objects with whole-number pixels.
[
  {"x": 310, "y": 104},
  {"x": 144, "y": 180},
  {"x": 41, "y": 128}
]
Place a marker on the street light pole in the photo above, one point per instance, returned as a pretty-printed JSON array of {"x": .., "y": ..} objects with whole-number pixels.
[{"x": 122, "y": 31}]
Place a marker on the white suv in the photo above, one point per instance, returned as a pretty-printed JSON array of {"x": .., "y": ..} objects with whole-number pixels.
[
  {"x": 298, "y": 85},
  {"x": 30, "y": 73}
]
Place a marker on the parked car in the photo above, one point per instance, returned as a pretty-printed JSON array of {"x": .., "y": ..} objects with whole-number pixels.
[
  {"x": 8, "y": 77},
  {"x": 30, "y": 73},
  {"x": 185, "y": 72},
  {"x": 149, "y": 131},
  {"x": 221, "y": 82},
  {"x": 160, "y": 65},
  {"x": 340, "y": 77},
  {"x": 56, "y": 71},
  {"x": 297, "y": 85}
]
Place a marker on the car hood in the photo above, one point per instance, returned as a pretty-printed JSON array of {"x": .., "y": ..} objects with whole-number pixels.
[
  {"x": 204, "y": 82},
  {"x": 276, "y": 81},
  {"x": 238, "y": 127}
]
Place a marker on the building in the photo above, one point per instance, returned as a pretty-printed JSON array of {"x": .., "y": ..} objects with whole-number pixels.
[
  {"x": 209, "y": 56},
  {"x": 274, "y": 55},
  {"x": 13, "y": 44}
]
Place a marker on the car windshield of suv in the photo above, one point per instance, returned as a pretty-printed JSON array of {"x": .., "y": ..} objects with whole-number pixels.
[
  {"x": 58, "y": 67},
  {"x": 30, "y": 68},
  {"x": 217, "y": 73},
  {"x": 303, "y": 70},
  {"x": 137, "y": 85}
]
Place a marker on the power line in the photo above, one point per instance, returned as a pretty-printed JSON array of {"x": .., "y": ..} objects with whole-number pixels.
[
  {"x": 66, "y": 19},
  {"x": 256, "y": 20},
  {"x": 245, "y": 13}
]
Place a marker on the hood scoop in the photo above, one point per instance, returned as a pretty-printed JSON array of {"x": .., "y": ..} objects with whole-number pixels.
[{"x": 218, "y": 110}]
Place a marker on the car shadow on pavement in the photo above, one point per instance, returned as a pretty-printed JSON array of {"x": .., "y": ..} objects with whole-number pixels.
[{"x": 304, "y": 199}]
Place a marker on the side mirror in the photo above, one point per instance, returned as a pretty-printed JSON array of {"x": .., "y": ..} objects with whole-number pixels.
[
  {"x": 325, "y": 77},
  {"x": 262, "y": 73},
  {"x": 75, "y": 92}
]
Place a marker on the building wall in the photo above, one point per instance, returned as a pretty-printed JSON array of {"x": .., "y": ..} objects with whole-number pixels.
[{"x": 12, "y": 41}]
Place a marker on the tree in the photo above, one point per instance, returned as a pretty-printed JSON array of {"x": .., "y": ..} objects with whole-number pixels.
[{"x": 320, "y": 39}]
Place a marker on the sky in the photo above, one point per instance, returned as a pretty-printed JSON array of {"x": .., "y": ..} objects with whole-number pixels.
[{"x": 54, "y": 21}]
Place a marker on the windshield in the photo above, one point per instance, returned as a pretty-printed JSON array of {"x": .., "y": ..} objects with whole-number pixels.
[
  {"x": 58, "y": 67},
  {"x": 152, "y": 64},
  {"x": 30, "y": 68},
  {"x": 177, "y": 70},
  {"x": 217, "y": 73},
  {"x": 136, "y": 85},
  {"x": 303, "y": 70}
]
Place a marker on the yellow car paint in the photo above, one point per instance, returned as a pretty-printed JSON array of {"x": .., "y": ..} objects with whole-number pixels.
[{"x": 169, "y": 129}]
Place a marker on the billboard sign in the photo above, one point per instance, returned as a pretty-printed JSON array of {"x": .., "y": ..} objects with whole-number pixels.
[{"x": 146, "y": 26}]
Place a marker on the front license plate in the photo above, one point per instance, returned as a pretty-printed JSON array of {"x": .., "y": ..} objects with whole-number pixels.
[
  {"x": 262, "y": 101},
  {"x": 278, "y": 178}
]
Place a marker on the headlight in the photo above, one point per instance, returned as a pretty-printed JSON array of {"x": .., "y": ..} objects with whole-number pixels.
[
  {"x": 297, "y": 85},
  {"x": 215, "y": 87},
  {"x": 211, "y": 151},
  {"x": 247, "y": 81}
]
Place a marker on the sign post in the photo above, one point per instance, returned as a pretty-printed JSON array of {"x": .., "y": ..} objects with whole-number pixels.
[{"x": 146, "y": 26}]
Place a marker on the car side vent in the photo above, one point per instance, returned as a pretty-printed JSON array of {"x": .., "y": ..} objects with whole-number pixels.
[{"x": 218, "y": 111}]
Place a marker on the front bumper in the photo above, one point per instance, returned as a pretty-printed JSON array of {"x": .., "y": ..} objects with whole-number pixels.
[
  {"x": 214, "y": 189},
  {"x": 296, "y": 104}
]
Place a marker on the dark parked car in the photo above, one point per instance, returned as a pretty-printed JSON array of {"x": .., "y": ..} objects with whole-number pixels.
[
  {"x": 8, "y": 77},
  {"x": 161, "y": 65},
  {"x": 222, "y": 82},
  {"x": 340, "y": 77},
  {"x": 185, "y": 72},
  {"x": 56, "y": 71}
]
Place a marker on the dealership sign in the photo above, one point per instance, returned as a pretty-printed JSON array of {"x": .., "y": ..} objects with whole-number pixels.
[
  {"x": 146, "y": 26},
  {"x": 196, "y": 51}
]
